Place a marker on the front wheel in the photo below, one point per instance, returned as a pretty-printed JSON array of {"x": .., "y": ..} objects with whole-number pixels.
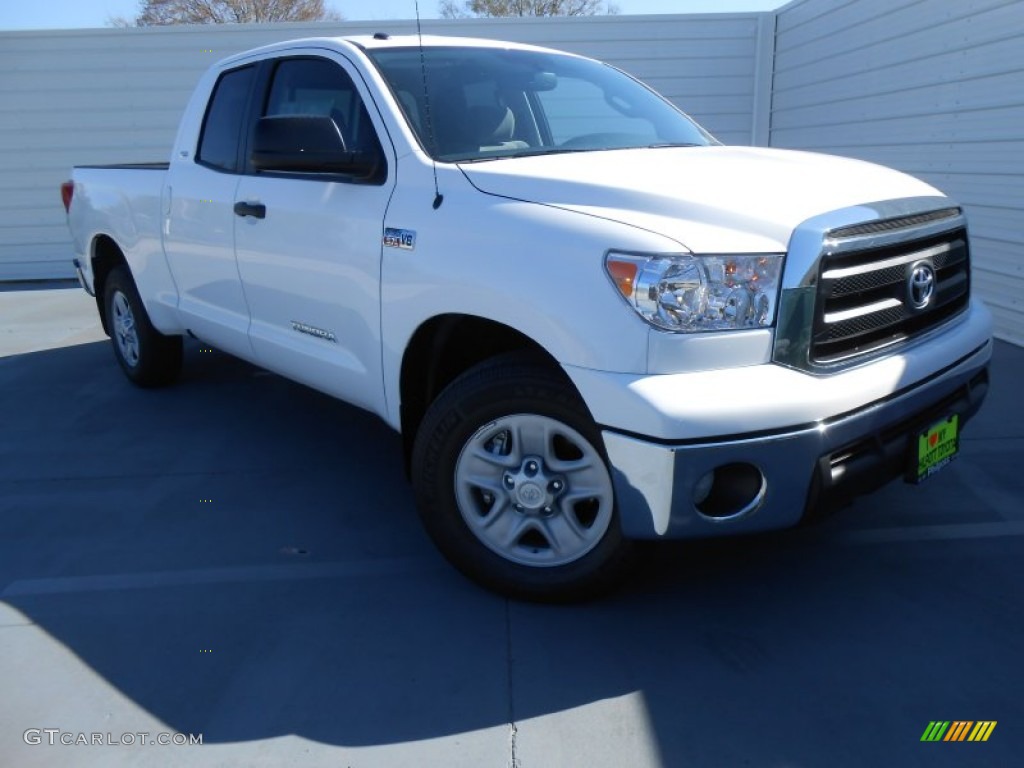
[{"x": 513, "y": 485}]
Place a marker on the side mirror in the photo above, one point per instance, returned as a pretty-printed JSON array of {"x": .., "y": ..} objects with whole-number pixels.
[{"x": 306, "y": 144}]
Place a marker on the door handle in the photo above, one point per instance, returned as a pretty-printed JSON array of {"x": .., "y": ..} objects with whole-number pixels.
[{"x": 251, "y": 209}]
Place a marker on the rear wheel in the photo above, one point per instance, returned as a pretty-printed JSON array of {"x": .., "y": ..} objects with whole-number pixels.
[
  {"x": 148, "y": 357},
  {"x": 513, "y": 486}
]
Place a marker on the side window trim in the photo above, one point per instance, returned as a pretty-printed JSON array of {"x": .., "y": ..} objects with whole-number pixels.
[{"x": 257, "y": 98}]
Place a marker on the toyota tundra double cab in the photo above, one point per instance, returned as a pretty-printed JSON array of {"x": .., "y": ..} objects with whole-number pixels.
[{"x": 590, "y": 321}]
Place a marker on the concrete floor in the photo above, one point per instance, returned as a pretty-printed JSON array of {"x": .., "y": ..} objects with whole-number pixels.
[{"x": 238, "y": 557}]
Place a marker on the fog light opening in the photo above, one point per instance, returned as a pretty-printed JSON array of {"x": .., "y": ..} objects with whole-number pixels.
[
  {"x": 730, "y": 492},
  {"x": 702, "y": 489}
]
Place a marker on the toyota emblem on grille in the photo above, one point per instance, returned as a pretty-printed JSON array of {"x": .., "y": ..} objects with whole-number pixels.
[{"x": 921, "y": 286}]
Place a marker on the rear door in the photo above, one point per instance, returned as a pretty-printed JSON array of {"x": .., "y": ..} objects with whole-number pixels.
[
  {"x": 199, "y": 223},
  {"x": 309, "y": 259}
]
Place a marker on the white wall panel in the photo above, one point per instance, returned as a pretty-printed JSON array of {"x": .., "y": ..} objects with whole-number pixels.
[
  {"x": 932, "y": 87},
  {"x": 114, "y": 95}
]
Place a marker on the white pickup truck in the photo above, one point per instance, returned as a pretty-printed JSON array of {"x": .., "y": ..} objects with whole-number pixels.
[{"x": 591, "y": 323}]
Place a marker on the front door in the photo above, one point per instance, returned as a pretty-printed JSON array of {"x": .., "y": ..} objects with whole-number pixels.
[{"x": 309, "y": 245}]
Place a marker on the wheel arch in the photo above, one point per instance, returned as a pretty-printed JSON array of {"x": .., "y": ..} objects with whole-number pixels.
[
  {"x": 446, "y": 346},
  {"x": 106, "y": 256}
]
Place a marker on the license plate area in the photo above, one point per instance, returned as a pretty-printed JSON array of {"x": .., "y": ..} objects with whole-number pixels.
[{"x": 933, "y": 448}]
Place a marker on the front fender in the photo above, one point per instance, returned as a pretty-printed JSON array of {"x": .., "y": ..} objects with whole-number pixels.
[{"x": 536, "y": 269}]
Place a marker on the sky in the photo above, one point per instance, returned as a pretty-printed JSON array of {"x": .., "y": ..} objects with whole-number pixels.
[{"x": 76, "y": 14}]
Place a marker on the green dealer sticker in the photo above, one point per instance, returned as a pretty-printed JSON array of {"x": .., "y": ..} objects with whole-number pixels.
[{"x": 936, "y": 447}]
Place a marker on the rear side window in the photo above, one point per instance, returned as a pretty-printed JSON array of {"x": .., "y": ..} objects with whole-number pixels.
[{"x": 222, "y": 126}]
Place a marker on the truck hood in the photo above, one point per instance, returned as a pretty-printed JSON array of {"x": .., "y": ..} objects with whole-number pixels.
[{"x": 708, "y": 199}]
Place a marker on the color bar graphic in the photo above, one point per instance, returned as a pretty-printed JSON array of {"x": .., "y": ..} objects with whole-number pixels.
[
  {"x": 982, "y": 730},
  {"x": 958, "y": 730},
  {"x": 935, "y": 731}
]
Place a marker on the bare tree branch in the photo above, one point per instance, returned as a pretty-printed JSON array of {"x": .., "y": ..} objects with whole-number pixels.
[
  {"x": 453, "y": 9},
  {"x": 165, "y": 12}
]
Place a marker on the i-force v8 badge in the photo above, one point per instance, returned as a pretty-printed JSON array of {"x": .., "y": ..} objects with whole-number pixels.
[{"x": 399, "y": 238}]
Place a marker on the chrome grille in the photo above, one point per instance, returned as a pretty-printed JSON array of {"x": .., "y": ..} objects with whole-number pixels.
[{"x": 864, "y": 300}]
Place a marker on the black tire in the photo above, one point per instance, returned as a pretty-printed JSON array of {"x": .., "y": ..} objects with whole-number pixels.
[
  {"x": 147, "y": 357},
  {"x": 474, "y": 487}
]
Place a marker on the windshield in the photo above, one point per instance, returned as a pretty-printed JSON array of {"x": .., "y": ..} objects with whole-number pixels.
[{"x": 489, "y": 103}]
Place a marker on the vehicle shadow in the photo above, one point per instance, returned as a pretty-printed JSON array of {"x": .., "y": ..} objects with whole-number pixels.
[{"x": 240, "y": 557}]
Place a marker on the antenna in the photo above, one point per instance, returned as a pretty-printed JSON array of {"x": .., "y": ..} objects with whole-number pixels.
[{"x": 438, "y": 197}]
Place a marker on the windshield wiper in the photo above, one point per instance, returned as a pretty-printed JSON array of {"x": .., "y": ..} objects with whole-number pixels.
[{"x": 524, "y": 153}]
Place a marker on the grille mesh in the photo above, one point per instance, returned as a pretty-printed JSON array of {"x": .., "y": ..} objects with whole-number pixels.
[{"x": 865, "y": 323}]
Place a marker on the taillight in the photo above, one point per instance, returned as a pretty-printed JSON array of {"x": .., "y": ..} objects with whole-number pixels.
[{"x": 67, "y": 191}]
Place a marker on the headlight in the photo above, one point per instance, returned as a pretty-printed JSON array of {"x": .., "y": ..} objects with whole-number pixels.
[{"x": 688, "y": 294}]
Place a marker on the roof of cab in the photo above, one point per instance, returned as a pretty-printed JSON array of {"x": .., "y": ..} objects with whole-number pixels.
[
  {"x": 433, "y": 41},
  {"x": 372, "y": 42}
]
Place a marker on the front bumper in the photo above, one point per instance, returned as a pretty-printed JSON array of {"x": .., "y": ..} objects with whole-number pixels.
[{"x": 799, "y": 468}]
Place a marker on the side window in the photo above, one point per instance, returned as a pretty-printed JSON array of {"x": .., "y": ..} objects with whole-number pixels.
[
  {"x": 218, "y": 142},
  {"x": 321, "y": 87}
]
